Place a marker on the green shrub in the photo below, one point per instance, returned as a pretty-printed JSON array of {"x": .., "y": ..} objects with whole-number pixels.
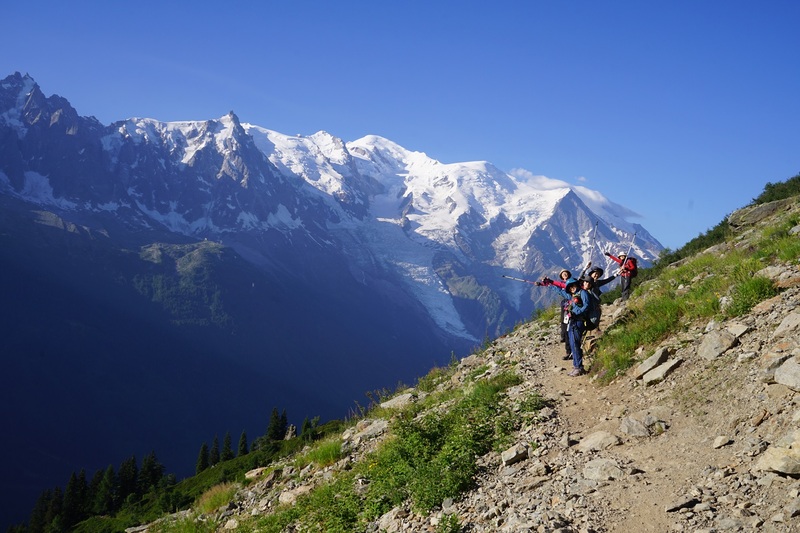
[
  {"x": 449, "y": 524},
  {"x": 779, "y": 191},
  {"x": 433, "y": 457},
  {"x": 749, "y": 292}
]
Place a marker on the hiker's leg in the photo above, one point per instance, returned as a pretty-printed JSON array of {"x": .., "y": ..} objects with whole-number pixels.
[{"x": 575, "y": 334}]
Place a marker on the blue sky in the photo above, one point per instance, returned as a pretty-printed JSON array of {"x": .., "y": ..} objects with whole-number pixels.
[{"x": 681, "y": 111}]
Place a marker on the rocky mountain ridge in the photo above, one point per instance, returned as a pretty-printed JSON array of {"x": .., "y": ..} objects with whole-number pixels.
[
  {"x": 702, "y": 435},
  {"x": 443, "y": 234}
]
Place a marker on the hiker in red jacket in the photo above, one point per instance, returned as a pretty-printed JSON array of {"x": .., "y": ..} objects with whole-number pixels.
[
  {"x": 561, "y": 283},
  {"x": 626, "y": 272}
]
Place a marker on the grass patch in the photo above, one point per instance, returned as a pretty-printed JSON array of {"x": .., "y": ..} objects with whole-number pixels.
[
  {"x": 323, "y": 453},
  {"x": 216, "y": 497},
  {"x": 749, "y": 292}
]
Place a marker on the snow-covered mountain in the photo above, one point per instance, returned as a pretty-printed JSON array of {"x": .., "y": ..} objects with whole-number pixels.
[{"x": 442, "y": 233}]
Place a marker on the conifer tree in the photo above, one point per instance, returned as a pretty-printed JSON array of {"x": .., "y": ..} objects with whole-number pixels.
[
  {"x": 213, "y": 454},
  {"x": 94, "y": 486},
  {"x": 36, "y": 522},
  {"x": 150, "y": 473},
  {"x": 309, "y": 429},
  {"x": 54, "y": 509},
  {"x": 106, "y": 496},
  {"x": 243, "y": 444},
  {"x": 74, "y": 500},
  {"x": 128, "y": 478},
  {"x": 227, "y": 452},
  {"x": 202, "y": 459},
  {"x": 284, "y": 424},
  {"x": 274, "y": 433}
]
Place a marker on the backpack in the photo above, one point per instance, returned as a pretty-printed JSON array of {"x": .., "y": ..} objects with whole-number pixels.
[
  {"x": 591, "y": 319},
  {"x": 631, "y": 266}
]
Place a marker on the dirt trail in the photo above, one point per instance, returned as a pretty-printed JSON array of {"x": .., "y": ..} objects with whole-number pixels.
[{"x": 662, "y": 469}]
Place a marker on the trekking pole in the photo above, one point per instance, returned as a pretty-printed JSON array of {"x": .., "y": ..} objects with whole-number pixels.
[
  {"x": 594, "y": 240},
  {"x": 628, "y": 253},
  {"x": 522, "y": 280},
  {"x": 631, "y": 245}
]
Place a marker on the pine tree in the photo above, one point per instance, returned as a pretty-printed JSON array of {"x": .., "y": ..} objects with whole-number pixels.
[
  {"x": 150, "y": 473},
  {"x": 94, "y": 487},
  {"x": 106, "y": 496},
  {"x": 202, "y": 459},
  {"x": 128, "y": 478},
  {"x": 274, "y": 433},
  {"x": 309, "y": 429},
  {"x": 74, "y": 500},
  {"x": 54, "y": 510},
  {"x": 227, "y": 453},
  {"x": 213, "y": 454},
  {"x": 284, "y": 424},
  {"x": 243, "y": 444},
  {"x": 36, "y": 523}
]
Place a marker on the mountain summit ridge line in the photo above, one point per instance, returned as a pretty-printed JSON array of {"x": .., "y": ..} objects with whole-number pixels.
[{"x": 377, "y": 202}]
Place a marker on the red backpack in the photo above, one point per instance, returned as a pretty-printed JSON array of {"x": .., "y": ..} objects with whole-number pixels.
[{"x": 631, "y": 266}]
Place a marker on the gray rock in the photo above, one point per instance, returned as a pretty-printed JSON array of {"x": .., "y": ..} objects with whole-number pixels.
[
  {"x": 373, "y": 430},
  {"x": 737, "y": 330},
  {"x": 789, "y": 326},
  {"x": 686, "y": 502},
  {"x": 599, "y": 440},
  {"x": 515, "y": 454},
  {"x": 634, "y": 428},
  {"x": 722, "y": 440},
  {"x": 658, "y": 358},
  {"x": 602, "y": 470},
  {"x": 659, "y": 373},
  {"x": 400, "y": 401},
  {"x": 780, "y": 459},
  {"x": 789, "y": 374},
  {"x": 716, "y": 343}
]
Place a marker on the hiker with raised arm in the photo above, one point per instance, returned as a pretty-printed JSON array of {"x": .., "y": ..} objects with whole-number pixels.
[
  {"x": 628, "y": 270},
  {"x": 595, "y": 273},
  {"x": 591, "y": 318},
  {"x": 577, "y": 303},
  {"x": 561, "y": 283}
]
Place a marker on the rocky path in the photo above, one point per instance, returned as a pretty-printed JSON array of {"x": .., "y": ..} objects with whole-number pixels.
[{"x": 679, "y": 455}]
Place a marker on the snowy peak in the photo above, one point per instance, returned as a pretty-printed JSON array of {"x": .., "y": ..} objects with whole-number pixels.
[{"x": 442, "y": 233}]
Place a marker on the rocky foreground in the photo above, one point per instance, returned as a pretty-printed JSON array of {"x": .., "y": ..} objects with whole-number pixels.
[{"x": 702, "y": 436}]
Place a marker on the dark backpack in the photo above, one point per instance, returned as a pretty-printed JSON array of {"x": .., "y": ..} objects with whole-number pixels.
[
  {"x": 591, "y": 319},
  {"x": 631, "y": 266}
]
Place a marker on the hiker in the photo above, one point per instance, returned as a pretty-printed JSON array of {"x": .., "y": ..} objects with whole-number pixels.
[
  {"x": 626, "y": 272},
  {"x": 561, "y": 283},
  {"x": 595, "y": 274},
  {"x": 577, "y": 303},
  {"x": 591, "y": 318}
]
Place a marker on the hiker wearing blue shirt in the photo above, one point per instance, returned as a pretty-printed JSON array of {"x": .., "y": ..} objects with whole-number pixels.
[{"x": 576, "y": 306}]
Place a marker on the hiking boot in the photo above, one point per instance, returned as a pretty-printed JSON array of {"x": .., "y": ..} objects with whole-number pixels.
[
  {"x": 567, "y": 357},
  {"x": 576, "y": 372}
]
